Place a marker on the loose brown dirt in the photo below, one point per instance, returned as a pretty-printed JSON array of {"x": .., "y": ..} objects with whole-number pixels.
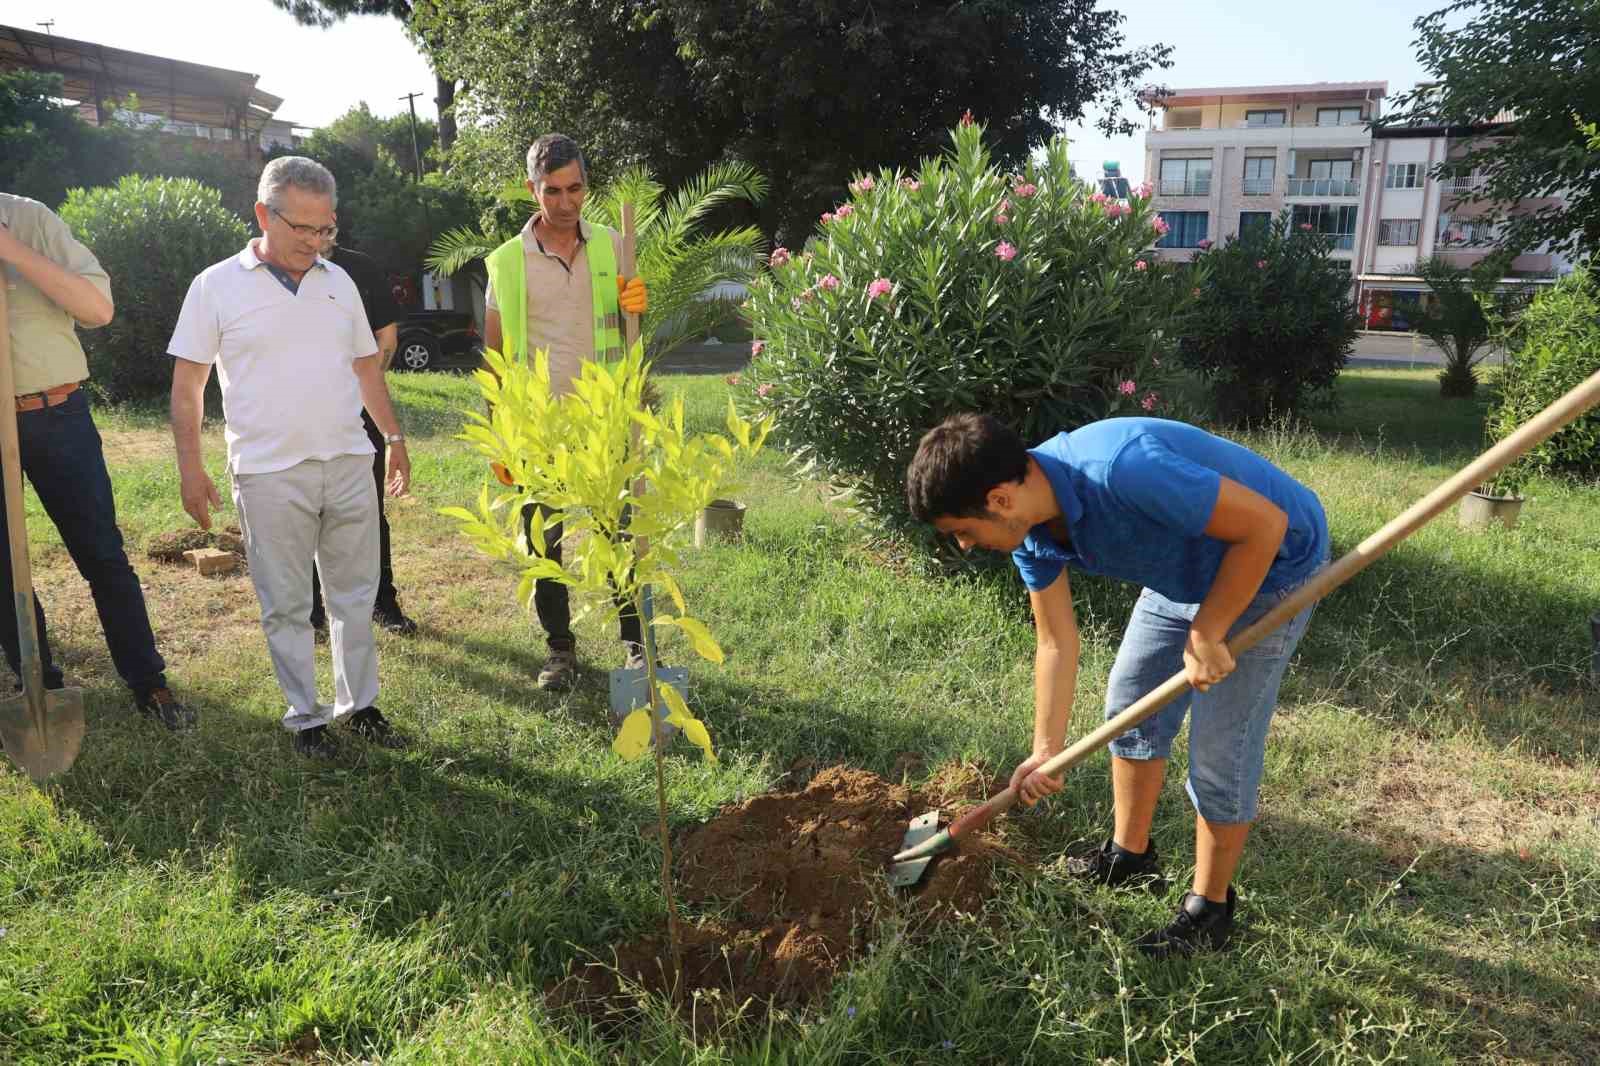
[
  {"x": 169, "y": 547},
  {"x": 796, "y": 880}
]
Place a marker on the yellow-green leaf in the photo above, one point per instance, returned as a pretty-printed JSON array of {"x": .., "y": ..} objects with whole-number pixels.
[
  {"x": 699, "y": 636},
  {"x": 633, "y": 739}
]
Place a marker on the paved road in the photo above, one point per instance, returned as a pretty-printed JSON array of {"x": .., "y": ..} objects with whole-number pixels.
[{"x": 1372, "y": 350}]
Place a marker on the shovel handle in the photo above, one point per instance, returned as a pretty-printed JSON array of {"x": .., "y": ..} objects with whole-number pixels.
[
  {"x": 17, "y": 525},
  {"x": 1536, "y": 430}
]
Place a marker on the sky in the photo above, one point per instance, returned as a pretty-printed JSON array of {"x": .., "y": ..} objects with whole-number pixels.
[{"x": 322, "y": 73}]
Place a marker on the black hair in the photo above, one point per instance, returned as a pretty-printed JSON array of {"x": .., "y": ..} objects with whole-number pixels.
[
  {"x": 958, "y": 462},
  {"x": 552, "y": 152}
]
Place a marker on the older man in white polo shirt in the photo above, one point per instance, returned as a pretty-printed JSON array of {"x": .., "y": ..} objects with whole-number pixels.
[{"x": 297, "y": 362}]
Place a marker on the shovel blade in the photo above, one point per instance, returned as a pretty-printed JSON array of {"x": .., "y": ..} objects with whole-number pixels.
[
  {"x": 42, "y": 753},
  {"x": 906, "y": 873}
]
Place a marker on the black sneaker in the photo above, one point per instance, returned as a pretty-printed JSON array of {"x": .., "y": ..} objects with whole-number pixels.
[
  {"x": 1112, "y": 866},
  {"x": 370, "y": 725},
  {"x": 315, "y": 743},
  {"x": 389, "y": 616},
  {"x": 161, "y": 705},
  {"x": 1201, "y": 925}
]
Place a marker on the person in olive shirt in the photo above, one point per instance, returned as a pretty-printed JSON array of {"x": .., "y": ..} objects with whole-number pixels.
[
  {"x": 383, "y": 315},
  {"x": 52, "y": 281}
]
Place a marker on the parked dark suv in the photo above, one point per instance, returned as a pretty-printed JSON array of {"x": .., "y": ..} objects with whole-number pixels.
[{"x": 437, "y": 340}]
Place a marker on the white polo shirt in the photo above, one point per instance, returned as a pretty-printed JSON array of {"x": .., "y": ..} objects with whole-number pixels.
[{"x": 284, "y": 359}]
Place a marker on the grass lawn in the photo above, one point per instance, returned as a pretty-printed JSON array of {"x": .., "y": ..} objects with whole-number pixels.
[{"x": 1423, "y": 884}]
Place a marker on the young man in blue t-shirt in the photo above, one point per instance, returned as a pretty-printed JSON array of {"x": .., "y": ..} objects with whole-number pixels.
[{"x": 1217, "y": 536}]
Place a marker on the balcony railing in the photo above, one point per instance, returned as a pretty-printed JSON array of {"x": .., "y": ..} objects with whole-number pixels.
[
  {"x": 1323, "y": 187},
  {"x": 1258, "y": 186},
  {"x": 1465, "y": 182},
  {"x": 1188, "y": 187},
  {"x": 1343, "y": 242}
]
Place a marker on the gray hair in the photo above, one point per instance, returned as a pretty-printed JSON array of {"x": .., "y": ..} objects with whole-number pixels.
[
  {"x": 552, "y": 152},
  {"x": 302, "y": 173}
]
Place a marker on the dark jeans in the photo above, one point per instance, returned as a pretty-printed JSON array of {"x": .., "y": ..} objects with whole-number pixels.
[
  {"x": 553, "y": 605},
  {"x": 61, "y": 457},
  {"x": 387, "y": 597}
]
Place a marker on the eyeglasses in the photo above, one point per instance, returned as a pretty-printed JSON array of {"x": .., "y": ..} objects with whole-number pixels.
[{"x": 321, "y": 233}]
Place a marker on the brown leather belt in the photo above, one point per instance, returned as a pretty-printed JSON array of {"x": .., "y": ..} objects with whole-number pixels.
[{"x": 37, "y": 401}]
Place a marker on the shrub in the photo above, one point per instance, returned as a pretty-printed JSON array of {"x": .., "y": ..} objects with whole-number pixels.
[
  {"x": 152, "y": 235},
  {"x": 1274, "y": 323},
  {"x": 1556, "y": 345},
  {"x": 960, "y": 288}
]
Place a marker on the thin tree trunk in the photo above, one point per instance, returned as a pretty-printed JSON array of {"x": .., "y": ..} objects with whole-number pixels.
[{"x": 445, "y": 101}]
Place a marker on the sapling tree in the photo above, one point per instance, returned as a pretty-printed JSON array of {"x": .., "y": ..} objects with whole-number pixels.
[{"x": 582, "y": 460}]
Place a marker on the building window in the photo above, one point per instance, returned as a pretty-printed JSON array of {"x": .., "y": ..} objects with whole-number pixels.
[
  {"x": 1335, "y": 169},
  {"x": 1254, "y": 223},
  {"x": 1338, "y": 116},
  {"x": 1403, "y": 176},
  {"x": 1398, "y": 231},
  {"x": 1258, "y": 174},
  {"x": 1185, "y": 229},
  {"x": 1459, "y": 231},
  {"x": 1186, "y": 177},
  {"x": 1331, "y": 220},
  {"x": 1264, "y": 118}
]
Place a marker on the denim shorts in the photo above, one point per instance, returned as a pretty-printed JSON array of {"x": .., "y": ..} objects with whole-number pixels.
[{"x": 1228, "y": 734}]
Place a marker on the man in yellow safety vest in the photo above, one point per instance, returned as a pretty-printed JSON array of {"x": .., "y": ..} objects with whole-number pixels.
[{"x": 555, "y": 286}]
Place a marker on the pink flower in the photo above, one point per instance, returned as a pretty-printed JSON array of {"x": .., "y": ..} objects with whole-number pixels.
[
  {"x": 828, "y": 282},
  {"x": 1001, "y": 220},
  {"x": 1027, "y": 190},
  {"x": 1127, "y": 387},
  {"x": 866, "y": 184},
  {"x": 756, "y": 348},
  {"x": 966, "y": 117},
  {"x": 764, "y": 390},
  {"x": 1205, "y": 242},
  {"x": 1144, "y": 190},
  {"x": 796, "y": 303},
  {"x": 1098, "y": 198},
  {"x": 1161, "y": 226},
  {"x": 1261, "y": 264},
  {"x": 1139, "y": 264},
  {"x": 879, "y": 287},
  {"x": 780, "y": 256},
  {"x": 843, "y": 211},
  {"x": 1006, "y": 252},
  {"x": 1116, "y": 210},
  {"x": 732, "y": 379},
  {"x": 1005, "y": 205},
  {"x": 911, "y": 184},
  {"x": 1306, "y": 226},
  {"x": 827, "y": 217},
  {"x": 1148, "y": 403}
]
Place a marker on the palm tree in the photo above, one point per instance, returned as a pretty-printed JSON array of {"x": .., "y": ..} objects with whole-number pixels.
[{"x": 680, "y": 264}]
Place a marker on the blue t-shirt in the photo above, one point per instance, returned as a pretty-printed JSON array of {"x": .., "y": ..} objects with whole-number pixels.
[{"x": 1136, "y": 494}]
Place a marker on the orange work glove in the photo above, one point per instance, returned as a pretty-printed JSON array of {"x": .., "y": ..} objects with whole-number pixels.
[
  {"x": 631, "y": 295},
  {"x": 501, "y": 472}
]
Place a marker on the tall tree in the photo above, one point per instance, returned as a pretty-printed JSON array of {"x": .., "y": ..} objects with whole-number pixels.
[
  {"x": 1539, "y": 61},
  {"x": 808, "y": 91},
  {"x": 324, "y": 13}
]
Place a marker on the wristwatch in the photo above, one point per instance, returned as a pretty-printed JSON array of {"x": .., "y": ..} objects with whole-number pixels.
[{"x": 394, "y": 438}]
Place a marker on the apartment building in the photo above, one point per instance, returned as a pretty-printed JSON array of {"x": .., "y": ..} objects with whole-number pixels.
[{"x": 1225, "y": 159}]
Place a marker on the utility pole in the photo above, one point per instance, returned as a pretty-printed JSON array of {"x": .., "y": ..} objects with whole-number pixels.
[
  {"x": 416, "y": 153},
  {"x": 47, "y": 23}
]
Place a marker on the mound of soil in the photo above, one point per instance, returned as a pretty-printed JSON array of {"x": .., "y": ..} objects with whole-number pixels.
[
  {"x": 169, "y": 547},
  {"x": 797, "y": 879}
]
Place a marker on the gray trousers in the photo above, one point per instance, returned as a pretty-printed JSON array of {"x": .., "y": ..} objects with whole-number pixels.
[{"x": 327, "y": 509}]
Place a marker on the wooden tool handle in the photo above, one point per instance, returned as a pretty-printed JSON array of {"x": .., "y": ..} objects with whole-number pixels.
[
  {"x": 1537, "y": 429},
  {"x": 17, "y": 523}
]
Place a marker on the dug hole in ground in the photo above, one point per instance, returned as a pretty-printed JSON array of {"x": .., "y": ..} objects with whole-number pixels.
[{"x": 797, "y": 880}]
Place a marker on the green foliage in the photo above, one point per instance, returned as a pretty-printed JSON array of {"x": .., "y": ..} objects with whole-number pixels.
[
  {"x": 1457, "y": 319},
  {"x": 152, "y": 235},
  {"x": 1274, "y": 323},
  {"x": 806, "y": 91},
  {"x": 678, "y": 262},
  {"x": 960, "y": 288},
  {"x": 1534, "y": 59},
  {"x": 1557, "y": 348}
]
